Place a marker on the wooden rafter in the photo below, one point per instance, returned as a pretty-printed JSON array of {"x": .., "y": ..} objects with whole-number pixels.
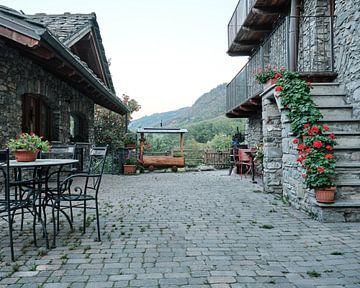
[{"x": 17, "y": 37}]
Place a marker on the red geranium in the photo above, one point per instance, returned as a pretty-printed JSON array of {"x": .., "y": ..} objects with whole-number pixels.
[
  {"x": 328, "y": 156},
  {"x": 295, "y": 141},
  {"x": 277, "y": 75},
  {"x": 329, "y": 147},
  {"x": 317, "y": 144},
  {"x": 278, "y": 88},
  {"x": 321, "y": 169},
  {"x": 331, "y": 136},
  {"x": 308, "y": 150},
  {"x": 326, "y": 128},
  {"x": 301, "y": 147},
  {"x": 306, "y": 126}
]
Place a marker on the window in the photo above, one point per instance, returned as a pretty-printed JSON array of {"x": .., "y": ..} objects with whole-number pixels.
[
  {"x": 78, "y": 130},
  {"x": 36, "y": 116}
]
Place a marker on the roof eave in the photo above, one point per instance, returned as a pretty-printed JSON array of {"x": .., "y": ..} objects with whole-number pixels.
[{"x": 66, "y": 54}]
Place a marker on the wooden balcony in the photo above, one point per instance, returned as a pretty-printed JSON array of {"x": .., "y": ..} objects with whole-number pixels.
[
  {"x": 315, "y": 62},
  {"x": 251, "y": 22}
]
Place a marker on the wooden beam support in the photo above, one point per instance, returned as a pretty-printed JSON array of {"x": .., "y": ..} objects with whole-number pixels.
[
  {"x": 255, "y": 101},
  {"x": 247, "y": 43},
  {"x": 261, "y": 29},
  {"x": 268, "y": 11}
]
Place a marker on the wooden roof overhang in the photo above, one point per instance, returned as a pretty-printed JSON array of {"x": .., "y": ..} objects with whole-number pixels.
[
  {"x": 259, "y": 23},
  {"x": 248, "y": 109},
  {"x": 37, "y": 43}
]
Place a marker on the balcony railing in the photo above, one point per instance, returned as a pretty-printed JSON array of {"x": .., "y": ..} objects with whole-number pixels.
[
  {"x": 315, "y": 56},
  {"x": 238, "y": 18}
]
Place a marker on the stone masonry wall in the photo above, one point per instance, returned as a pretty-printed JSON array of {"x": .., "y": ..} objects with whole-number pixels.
[
  {"x": 253, "y": 130},
  {"x": 20, "y": 75},
  {"x": 347, "y": 49},
  {"x": 272, "y": 163},
  {"x": 314, "y": 53}
]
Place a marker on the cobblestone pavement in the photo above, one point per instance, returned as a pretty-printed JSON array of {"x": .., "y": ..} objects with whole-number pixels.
[{"x": 202, "y": 229}]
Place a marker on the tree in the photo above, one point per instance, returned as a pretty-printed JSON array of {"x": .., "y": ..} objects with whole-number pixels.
[{"x": 110, "y": 126}]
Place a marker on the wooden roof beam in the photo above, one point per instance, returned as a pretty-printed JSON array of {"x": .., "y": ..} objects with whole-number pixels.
[
  {"x": 43, "y": 53},
  {"x": 18, "y": 37}
]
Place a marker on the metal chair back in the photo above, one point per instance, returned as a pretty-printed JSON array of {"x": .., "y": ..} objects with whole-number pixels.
[{"x": 60, "y": 151}]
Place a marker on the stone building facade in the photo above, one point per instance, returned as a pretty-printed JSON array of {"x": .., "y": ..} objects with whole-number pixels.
[
  {"x": 20, "y": 77},
  {"x": 328, "y": 53},
  {"x": 49, "y": 85}
]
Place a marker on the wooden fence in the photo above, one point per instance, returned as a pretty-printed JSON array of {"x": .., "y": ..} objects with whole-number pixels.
[{"x": 218, "y": 159}]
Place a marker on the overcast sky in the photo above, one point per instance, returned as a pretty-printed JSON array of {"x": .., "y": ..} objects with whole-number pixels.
[{"x": 164, "y": 53}]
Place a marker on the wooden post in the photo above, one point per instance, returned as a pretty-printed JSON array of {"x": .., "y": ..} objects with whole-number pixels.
[
  {"x": 182, "y": 144},
  {"x": 142, "y": 142}
]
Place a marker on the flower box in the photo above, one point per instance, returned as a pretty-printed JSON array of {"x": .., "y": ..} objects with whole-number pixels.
[{"x": 269, "y": 83}]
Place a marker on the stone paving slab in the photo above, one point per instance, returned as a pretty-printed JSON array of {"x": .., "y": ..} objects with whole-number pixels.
[{"x": 198, "y": 229}]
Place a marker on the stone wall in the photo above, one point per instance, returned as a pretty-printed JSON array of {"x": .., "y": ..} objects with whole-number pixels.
[
  {"x": 347, "y": 49},
  {"x": 20, "y": 75},
  {"x": 253, "y": 131},
  {"x": 314, "y": 53},
  {"x": 272, "y": 163}
]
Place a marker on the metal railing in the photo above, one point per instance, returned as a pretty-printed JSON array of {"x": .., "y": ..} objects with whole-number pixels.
[
  {"x": 238, "y": 18},
  {"x": 315, "y": 55}
]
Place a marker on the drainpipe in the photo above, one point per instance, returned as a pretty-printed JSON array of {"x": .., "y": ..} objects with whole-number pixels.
[{"x": 293, "y": 34}]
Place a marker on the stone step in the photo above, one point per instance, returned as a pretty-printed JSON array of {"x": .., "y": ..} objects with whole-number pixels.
[
  {"x": 349, "y": 174},
  {"x": 347, "y": 139},
  {"x": 343, "y": 210},
  {"x": 327, "y": 89},
  {"x": 347, "y": 154},
  {"x": 347, "y": 189},
  {"x": 336, "y": 112},
  {"x": 342, "y": 125},
  {"x": 323, "y": 100}
]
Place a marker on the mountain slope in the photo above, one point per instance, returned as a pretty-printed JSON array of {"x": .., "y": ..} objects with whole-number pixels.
[{"x": 208, "y": 106}]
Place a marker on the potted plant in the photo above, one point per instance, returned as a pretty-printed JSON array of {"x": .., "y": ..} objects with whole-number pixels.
[
  {"x": 315, "y": 154},
  {"x": 130, "y": 165},
  {"x": 268, "y": 76},
  {"x": 27, "y": 146},
  {"x": 130, "y": 140}
]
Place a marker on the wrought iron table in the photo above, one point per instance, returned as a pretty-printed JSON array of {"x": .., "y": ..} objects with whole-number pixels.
[{"x": 42, "y": 168}]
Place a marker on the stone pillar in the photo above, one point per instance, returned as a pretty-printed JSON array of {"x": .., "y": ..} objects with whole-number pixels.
[{"x": 272, "y": 146}]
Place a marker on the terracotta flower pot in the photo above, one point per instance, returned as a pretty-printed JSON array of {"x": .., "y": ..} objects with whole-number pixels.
[
  {"x": 129, "y": 169},
  {"x": 325, "y": 195},
  {"x": 269, "y": 83},
  {"x": 26, "y": 156}
]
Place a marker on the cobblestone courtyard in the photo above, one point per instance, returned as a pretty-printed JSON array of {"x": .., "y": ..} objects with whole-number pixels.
[{"x": 202, "y": 229}]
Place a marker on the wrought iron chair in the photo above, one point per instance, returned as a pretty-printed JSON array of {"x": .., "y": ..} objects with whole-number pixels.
[
  {"x": 77, "y": 190},
  {"x": 12, "y": 201},
  {"x": 53, "y": 177}
]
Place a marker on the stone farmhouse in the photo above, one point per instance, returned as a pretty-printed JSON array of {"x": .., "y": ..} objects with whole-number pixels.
[
  {"x": 53, "y": 70},
  {"x": 320, "y": 39}
]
